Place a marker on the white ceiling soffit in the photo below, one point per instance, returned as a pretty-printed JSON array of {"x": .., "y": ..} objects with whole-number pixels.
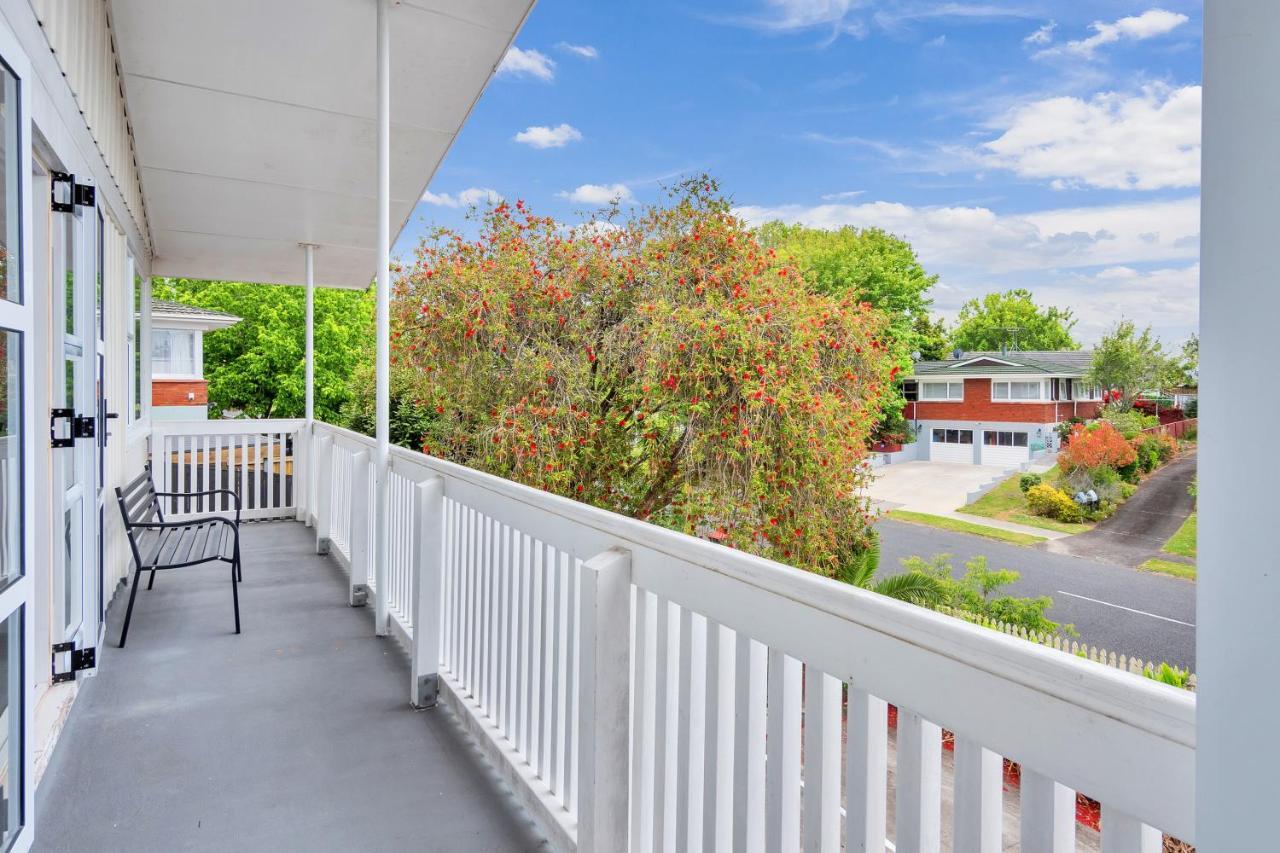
[{"x": 255, "y": 130}]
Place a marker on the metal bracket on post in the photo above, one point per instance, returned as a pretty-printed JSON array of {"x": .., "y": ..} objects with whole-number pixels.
[
  {"x": 359, "y": 595},
  {"x": 427, "y": 593}
]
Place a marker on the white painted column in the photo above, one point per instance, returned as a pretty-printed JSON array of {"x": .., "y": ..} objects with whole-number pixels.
[
  {"x": 307, "y": 492},
  {"x": 383, "y": 406},
  {"x": 1238, "y": 589}
]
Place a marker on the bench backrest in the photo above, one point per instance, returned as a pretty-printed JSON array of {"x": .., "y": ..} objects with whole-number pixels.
[{"x": 138, "y": 501}]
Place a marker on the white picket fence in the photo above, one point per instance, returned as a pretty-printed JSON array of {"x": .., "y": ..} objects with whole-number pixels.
[
  {"x": 641, "y": 689},
  {"x": 1135, "y": 665}
]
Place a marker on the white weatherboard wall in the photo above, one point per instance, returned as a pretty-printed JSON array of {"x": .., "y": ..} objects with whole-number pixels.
[{"x": 1238, "y": 593}]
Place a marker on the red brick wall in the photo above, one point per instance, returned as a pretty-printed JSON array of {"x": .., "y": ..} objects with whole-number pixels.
[
  {"x": 173, "y": 392},
  {"x": 977, "y": 406}
]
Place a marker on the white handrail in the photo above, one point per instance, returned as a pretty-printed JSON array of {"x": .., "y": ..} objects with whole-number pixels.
[{"x": 510, "y": 635}]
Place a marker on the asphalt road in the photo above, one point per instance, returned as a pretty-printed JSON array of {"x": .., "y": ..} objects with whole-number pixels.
[{"x": 1120, "y": 609}]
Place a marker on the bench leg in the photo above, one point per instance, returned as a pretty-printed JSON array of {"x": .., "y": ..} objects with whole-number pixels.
[
  {"x": 128, "y": 611},
  {"x": 235, "y": 594},
  {"x": 152, "y": 582}
]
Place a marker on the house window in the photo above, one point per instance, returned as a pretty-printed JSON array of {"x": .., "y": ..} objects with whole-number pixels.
[
  {"x": 175, "y": 352},
  {"x": 1033, "y": 390},
  {"x": 1000, "y": 438},
  {"x": 953, "y": 436},
  {"x": 1088, "y": 392},
  {"x": 134, "y": 340},
  {"x": 941, "y": 390},
  {"x": 910, "y": 390}
]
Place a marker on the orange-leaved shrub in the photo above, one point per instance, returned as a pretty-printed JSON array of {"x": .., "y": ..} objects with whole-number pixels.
[
  {"x": 1094, "y": 445},
  {"x": 663, "y": 365}
]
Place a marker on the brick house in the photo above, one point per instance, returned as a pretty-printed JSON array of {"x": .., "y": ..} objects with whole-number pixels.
[
  {"x": 994, "y": 408},
  {"x": 178, "y": 387}
]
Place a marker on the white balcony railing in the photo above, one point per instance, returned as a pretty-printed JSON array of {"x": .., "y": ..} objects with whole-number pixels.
[{"x": 641, "y": 688}]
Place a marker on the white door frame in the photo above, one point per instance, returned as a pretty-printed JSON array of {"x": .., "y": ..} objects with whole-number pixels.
[{"x": 17, "y": 596}]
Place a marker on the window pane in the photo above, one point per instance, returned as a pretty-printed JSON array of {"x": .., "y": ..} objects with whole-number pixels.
[
  {"x": 69, "y": 269},
  {"x": 953, "y": 436},
  {"x": 939, "y": 435},
  {"x": 10, "y": 183},
  {"x": 989, "y": 438},
  {"x": 10, "y": 727},
  {"x": 956, "y": 390},
  {"x": 1019, "y": 439},
  {"x": 966, "y": 436},
  {"x": 135, "y": 354},
  {"x": 10, "y": 457}
]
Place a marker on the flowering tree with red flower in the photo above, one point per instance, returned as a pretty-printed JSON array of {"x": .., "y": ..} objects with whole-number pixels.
[
  {"x": 664, "y": 366},
  {"x": 1094, "y": 445}
]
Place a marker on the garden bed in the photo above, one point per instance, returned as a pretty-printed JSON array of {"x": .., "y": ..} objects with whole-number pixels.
[{"x": 1006, "y": 502}]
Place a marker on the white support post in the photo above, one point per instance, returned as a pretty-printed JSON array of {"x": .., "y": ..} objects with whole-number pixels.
[
  {"x": 1048, "y": 815},
  {"x": 323, "y": 455},
  {"x": 383, "y": 359},
  {"x": 306, "y": 496},
  {"x": 428, "y": 578},
  {"x": 1124, "y": 834},
  {"x": 1238, "y": 595},
  {"x": 358, "y": 588},
  {"x": 605, "y": 688}
]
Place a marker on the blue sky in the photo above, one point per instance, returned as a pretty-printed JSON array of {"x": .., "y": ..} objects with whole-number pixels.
[{"x": 1051, "y": 145}]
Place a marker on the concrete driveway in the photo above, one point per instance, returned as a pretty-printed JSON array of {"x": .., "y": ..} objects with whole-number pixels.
[{"x": 938, "y": 488}]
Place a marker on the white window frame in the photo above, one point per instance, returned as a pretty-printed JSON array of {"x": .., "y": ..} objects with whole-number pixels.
[
  {"x": 1011, "y": 433},
  {"x": 960, "y": 432},
  {"x": 1085, "y": 393},
  {"x": 197, "y": 351},
  {"x": 922, "y": 394},
  {"x": 1043, "y": 384}
]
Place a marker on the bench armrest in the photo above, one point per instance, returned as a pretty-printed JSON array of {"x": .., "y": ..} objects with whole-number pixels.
[
  {"x": 202, "y": 492},
  {"x": 189, "y": 522}
]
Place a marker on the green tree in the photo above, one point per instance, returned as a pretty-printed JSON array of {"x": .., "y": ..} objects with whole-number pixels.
[
  {"x": 1000, "y": 320},
  {"x": 663, "y": 368},
  {"x": 933, "y": 340},
  {"x": 1184, "y": 369},
  {"x": 259, "y": 365},
  {"x": 1129, "y": 361},
  {"x": 866, "y": 264}
]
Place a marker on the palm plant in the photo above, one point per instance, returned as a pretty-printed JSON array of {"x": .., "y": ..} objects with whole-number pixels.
[{"x": 912, "y": 586}]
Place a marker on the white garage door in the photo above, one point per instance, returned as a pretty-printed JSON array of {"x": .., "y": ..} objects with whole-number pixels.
[
  {"x": 951, "y": 445},
  {"x": 1005, "y": 448}
]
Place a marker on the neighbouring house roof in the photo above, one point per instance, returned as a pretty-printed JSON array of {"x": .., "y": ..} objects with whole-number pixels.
[
  {"x": 1048, "y": 363},
  {"x": 176, "y": 315}
]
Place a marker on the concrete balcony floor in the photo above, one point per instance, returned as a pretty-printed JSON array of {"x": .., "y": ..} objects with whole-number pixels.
[{"x": 295, "y": 735}]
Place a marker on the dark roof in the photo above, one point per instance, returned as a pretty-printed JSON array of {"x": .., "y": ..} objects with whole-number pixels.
[
  {"x": 163, "y": 306},
  {"x": 1051, "y": 363}
]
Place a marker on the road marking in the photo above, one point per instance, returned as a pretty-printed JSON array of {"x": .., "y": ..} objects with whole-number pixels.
[{"x": 1130, "y": 609}]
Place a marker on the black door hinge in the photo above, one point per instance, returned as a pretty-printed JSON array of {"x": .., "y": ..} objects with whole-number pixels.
[
  {"x": 84, "y": 426},
  {"x": 80, "y": 659},
  {"x": 86, "y": 195},
  {"x": 62, "y": 192}
]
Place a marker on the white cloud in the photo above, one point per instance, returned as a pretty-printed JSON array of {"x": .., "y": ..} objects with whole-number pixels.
[
  {"x": 1137, "y": 261},
  {"x": 1150, "y": 24},
  {"x": 842, "y": 195},
  {"x": 539, "y": 136},
  {"x": 979, "y": 239},
  {"x": 1144, "y": 141},
  {"x": 937, "y": 42},
  {"x": 1044, "y": 35},
  {"x": 527, "y": 63},
  {"x": 599, "y": 194},
  {"x": 465, "y": 198},
  {"x": 585, "y": 51},
  {"x": 1168, "y": 298}
]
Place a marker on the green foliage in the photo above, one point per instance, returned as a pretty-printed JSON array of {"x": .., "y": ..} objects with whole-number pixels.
[
  {"x": 259, "y": 364},
  {"x": 667, "y": 368},
  {"x": 1026, "y": 481},
  {"x": 859, "y": 569},
  {"x": 1128, "y": 360},
  {"x": 1184, "y": 369},
  {"x": 409, "y": 419},
  {"x": 1065, "y": 428},
  {"x": 984, "y": 324},
  {"x": 1171, "y": 675},
  {"x": 1052, "y": 502},
  {"x": 1128, "y": 422},
  {"x": 975, "y": 592},
  {"x": 933, "y": 340}
]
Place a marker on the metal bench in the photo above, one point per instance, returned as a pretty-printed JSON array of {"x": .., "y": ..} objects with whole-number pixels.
[{"x": 158, "y": 544}]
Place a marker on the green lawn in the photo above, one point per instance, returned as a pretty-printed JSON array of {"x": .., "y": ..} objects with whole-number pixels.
[
  {"x": 1183, "y": 543},
  {"x": 1168, "y": 567},
  {"x": 1007, "y": 503},
  {"x": 959, "y": 526}
]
